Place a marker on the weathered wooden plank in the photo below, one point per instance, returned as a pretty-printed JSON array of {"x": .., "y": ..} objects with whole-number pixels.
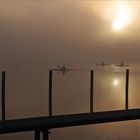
[{"x": 32, "y": 124}]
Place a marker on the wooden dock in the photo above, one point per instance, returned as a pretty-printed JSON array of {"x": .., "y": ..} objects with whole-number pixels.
[{"x": 59, "y": 121}]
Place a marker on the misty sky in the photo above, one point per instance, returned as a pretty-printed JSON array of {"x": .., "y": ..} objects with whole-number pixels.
[
  {"x": 65, "y": 32},
  {"x": 35, "y": 35}
]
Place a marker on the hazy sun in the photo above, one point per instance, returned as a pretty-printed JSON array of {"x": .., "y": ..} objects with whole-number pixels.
[
  {"x": 115, "y": 82},
  {"x": 122, "y": 18}
]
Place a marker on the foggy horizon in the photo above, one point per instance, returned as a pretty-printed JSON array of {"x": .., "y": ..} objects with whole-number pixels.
[{"x": 38, "y": 35}]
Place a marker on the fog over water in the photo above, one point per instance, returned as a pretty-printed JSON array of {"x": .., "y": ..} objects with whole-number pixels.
[{"x": 37, "y": 35}]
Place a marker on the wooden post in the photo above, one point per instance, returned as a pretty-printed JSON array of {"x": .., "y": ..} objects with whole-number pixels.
[
  {"x": 45, "y": 133},
  {"x": 50, "y": 92},
  {"x": 3, "y": 95},
  {"x": 127, "y": 89},
  {"x": 37, "y": 134},
  {"x": 91, "y": 90}
]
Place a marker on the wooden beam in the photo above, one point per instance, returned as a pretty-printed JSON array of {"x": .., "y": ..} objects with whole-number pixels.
[{"x": 31, "y": 124}]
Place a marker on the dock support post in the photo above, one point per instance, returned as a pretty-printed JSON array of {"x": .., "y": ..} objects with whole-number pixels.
[
  {"x": 91, "y": 90},
  {"x": 50, "y": 92},
  {"x": 127, "y": 89},
  {"x": 45, "y": 133},
  {"x": 37, "y": 134},
  {"x": 3, "y": 95}
]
